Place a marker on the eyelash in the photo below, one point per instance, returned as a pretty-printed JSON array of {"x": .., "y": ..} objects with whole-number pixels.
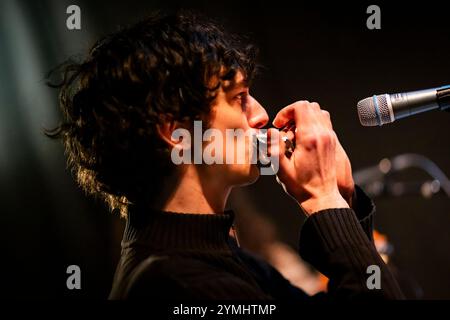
[{"x": 242, "y": 97}]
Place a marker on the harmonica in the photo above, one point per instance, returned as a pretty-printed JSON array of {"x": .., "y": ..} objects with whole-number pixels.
[{"x": 290, "y": 144}]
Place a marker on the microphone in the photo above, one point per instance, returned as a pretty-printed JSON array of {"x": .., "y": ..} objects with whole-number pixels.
[{"x": 386, "y": 108}]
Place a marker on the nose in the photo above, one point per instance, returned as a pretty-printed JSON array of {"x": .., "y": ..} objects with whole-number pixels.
[{"x": 257, "y": 115}]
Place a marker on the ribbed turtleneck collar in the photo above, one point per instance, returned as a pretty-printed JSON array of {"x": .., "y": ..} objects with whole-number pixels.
[{"x": 171, "y": 231}]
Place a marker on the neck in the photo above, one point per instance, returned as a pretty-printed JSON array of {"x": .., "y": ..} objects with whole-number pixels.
[{"x": 192, "y": 191}]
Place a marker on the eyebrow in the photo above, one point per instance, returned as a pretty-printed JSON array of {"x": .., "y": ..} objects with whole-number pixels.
[{"x": 236, "y": 86}]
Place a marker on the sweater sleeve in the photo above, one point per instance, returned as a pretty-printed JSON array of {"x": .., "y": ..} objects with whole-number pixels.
[
  {"x": 338, "y": 243},
  {"x": 364, "y": 209}
]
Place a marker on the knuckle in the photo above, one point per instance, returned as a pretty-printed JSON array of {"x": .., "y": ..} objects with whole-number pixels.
[
  {"x": 301, "y": 103},
  {"x": 310, "y": 140},
  {"x": 311, "y": 144},
  {"x": 327, "y": 136},
  {"x": 319, "y": 138},
  {"x": 315, "y": 105}
]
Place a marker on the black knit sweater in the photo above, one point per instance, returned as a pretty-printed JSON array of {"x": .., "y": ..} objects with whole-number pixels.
[{"x": 192, "y": 257}]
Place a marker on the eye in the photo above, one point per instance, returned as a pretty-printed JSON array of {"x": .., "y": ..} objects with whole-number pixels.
[{"x": 242, "y": 99}]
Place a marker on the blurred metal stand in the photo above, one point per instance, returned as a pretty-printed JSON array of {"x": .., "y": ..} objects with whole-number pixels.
[
  {"x": 391, "y": 178},
  {"x": 379, "y": 180}
]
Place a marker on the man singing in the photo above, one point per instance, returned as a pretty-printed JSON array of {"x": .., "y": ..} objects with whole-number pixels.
[{"x": 121, "y": 107}]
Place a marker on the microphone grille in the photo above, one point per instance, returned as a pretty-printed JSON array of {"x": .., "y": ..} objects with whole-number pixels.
[{"x": 374, "y": 111}]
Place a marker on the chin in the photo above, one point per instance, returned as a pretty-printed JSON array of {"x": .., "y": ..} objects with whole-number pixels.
[{"x": 247, "y": 175}]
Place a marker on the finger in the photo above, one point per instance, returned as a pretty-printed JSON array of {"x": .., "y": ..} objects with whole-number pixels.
[
  {"x": 315, "y": 106},
  {"x": 308, "y": 117},
  {"x": 321, "y": 115},
  {"x": 327, "y": 119},
  {"x": 339, "y": 149},
  {"x": 290, "y": 134},
  {"x": 287, "y": 114},
  {"x": 313, "y": 119}
]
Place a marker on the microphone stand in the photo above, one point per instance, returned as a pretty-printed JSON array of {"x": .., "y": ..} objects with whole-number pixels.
[{"x": 378, "y": 180}]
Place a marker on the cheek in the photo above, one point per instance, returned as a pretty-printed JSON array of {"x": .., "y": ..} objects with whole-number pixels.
[{"x": 230, "y": 117}]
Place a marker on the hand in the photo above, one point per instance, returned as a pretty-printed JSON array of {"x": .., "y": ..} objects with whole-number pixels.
[
  {"x": 344, "y": 177},
  {"x": 309, "y": 175}
]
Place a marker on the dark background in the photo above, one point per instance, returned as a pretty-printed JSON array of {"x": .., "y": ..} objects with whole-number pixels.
[{"x": 310, "y": 50}]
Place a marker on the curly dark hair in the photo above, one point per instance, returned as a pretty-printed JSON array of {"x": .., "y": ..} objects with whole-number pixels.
[{"x": 129, "y": 82}]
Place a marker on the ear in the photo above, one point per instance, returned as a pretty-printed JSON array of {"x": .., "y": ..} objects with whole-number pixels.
[{"x": 166, "y": 131}]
